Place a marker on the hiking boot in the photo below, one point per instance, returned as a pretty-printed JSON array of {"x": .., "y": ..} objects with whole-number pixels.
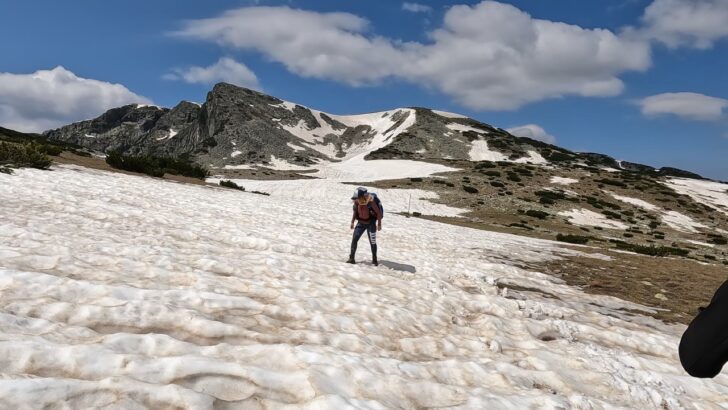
[
  {"x": 374, "y": 261},
  {"x": 351, "y": 260}
]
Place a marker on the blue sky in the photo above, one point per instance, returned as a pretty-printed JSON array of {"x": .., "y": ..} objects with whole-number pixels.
[{"x": 654, "y": 94}]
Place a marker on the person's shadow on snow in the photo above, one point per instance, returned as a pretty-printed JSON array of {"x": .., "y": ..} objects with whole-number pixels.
[{"x": 398, "y": 266}]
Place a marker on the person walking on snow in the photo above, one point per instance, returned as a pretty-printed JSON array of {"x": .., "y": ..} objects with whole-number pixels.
[{"x": 369, "y": 217}]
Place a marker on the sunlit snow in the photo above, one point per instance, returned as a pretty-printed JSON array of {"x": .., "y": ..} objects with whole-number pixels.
[{"x": 126, "y": 292}]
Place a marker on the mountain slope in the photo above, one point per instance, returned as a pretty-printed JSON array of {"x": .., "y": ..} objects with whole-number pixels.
[{"x": 237, "y": 126}]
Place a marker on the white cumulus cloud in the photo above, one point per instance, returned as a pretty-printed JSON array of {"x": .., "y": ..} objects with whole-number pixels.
[
  {"x": 693, "y": 23},
  {"x": 690, "y": 106},
  {"x": 416, "y": 7},
  {"x": 532, "y": 131},
  {"x": 490, "y": 56},
  {"x": 50, "y": 98},
  {"x": 226, "y": 69}
]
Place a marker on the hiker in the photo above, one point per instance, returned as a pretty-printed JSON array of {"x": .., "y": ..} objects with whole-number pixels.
[
  {"x": 369, "y": 216},
  {"x": 704, "y": 345}
]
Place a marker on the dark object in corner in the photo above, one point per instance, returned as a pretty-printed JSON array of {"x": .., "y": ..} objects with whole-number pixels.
[{"x": 704, "y": 345}]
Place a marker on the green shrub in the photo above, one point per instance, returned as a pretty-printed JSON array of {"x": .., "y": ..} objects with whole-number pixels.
[
  {"x": 156, "y": 166},
  {"x": 650, "y": 250},
  {"x": 416, "y": 179},
  {"x": 537, "y": 214},
  {"x": 612, "y": 215},
  {"x": 485, "y": 164},
  {"x": 470, "y": 189},
  {"x": 576, "y": 239},
  {"x": 497, "y": 184},
  {"x": 416, "y": 214},
  {"x": 52, "y": 150},
  {"x": 552, "y": 195},
  {"x": 231, "y": 184},
  {"x": 611, "y": 182},
  {"x": 492, "y": 173},
  {"x": 23, "y": 156},
  {"x": 718, "y": 240}
]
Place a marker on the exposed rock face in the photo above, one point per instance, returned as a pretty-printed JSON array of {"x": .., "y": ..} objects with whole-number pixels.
[{"x": 240, "y": 126}]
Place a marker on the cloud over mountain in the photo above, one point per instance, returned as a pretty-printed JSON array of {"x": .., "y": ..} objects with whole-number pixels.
[
  {"x": 224, "y": 70},
  {"x": 490, "y": 56},
  {"x": 50, "y": 98}
]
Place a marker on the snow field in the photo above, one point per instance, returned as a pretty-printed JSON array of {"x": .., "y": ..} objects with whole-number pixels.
[
  {"x": 713, "y": 194},
  {"x": 585, "y": 217},
  {"x": 675, "y": 220},
  {"x": 563, "y": 180},
  {"x": 127, "y": 292}
]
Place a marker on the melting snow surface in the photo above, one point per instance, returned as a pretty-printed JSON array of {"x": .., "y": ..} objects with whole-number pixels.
[
  {"x": 464, "y": 128},
  {"x": 533, "y": 158},
  {"x": 563, "y": 181},
  {"x": 479, "y": 151},
  {"x": 170, "y": 134},
  {"x": 448, "y": 114},
  {"x": 238, "y": 167},
  {"x": 129, "y": 292},
  {"x": 295, "y": 147},
  {"x": 359, "y": 170},
  {"x": 585, "y": 217},
  {"x": 235, "y": 153},
  {"x": 283, "y": 165},
  {"x": 674, "y": 219},
  {"x": 713, "y": 194}
]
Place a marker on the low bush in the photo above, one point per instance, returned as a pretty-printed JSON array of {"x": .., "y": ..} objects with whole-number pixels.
[
  {"x": 492, "y": 173},
  {"x": 650, "y": 250},
  {"x": 416, "y": 179},
  {"x": 575, "y": 239},
  {"x": 537, "y": 214},
  {"x": 231, "y": 184},
  {"x": 612, "y": 215},
  {"x": 497, "y": 184},
  {"x": 469, "y": 189},
  {"x": 156, "y": 166},
  {"x": 23, "y": 156},
  {"x": 485, "y": 164},
  {"x": 416, "y": 214},
  {"x": 718, "y": 240},
  {"x": 553, "y": 195},
  {"x": 611, "y": 182}
]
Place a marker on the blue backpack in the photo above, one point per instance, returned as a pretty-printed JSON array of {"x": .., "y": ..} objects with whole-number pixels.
[{"x": 379, "y": 204}]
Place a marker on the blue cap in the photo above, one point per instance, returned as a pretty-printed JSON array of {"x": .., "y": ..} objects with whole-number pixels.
[{"x": 360, "y": 192}]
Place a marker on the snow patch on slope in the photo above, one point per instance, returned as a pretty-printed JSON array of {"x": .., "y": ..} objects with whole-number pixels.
[
  {"x": 479, "y": 151},
  {"x": 585, "y": 217},
  {"x": 464, "y": 128},
  {"x": 675, "y": 220},
  {"x": 449, "y": 114},
  {"x": 713, "y": 194},
  {"x": 563, "y": 180}
]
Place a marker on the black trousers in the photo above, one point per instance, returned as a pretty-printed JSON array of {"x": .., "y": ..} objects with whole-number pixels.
[
  {"x": 370, "y": 227},
  {"x": 704, "y": 345}
]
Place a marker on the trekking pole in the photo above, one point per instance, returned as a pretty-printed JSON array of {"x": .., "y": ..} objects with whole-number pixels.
[{"x": 409, "y": 203}]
